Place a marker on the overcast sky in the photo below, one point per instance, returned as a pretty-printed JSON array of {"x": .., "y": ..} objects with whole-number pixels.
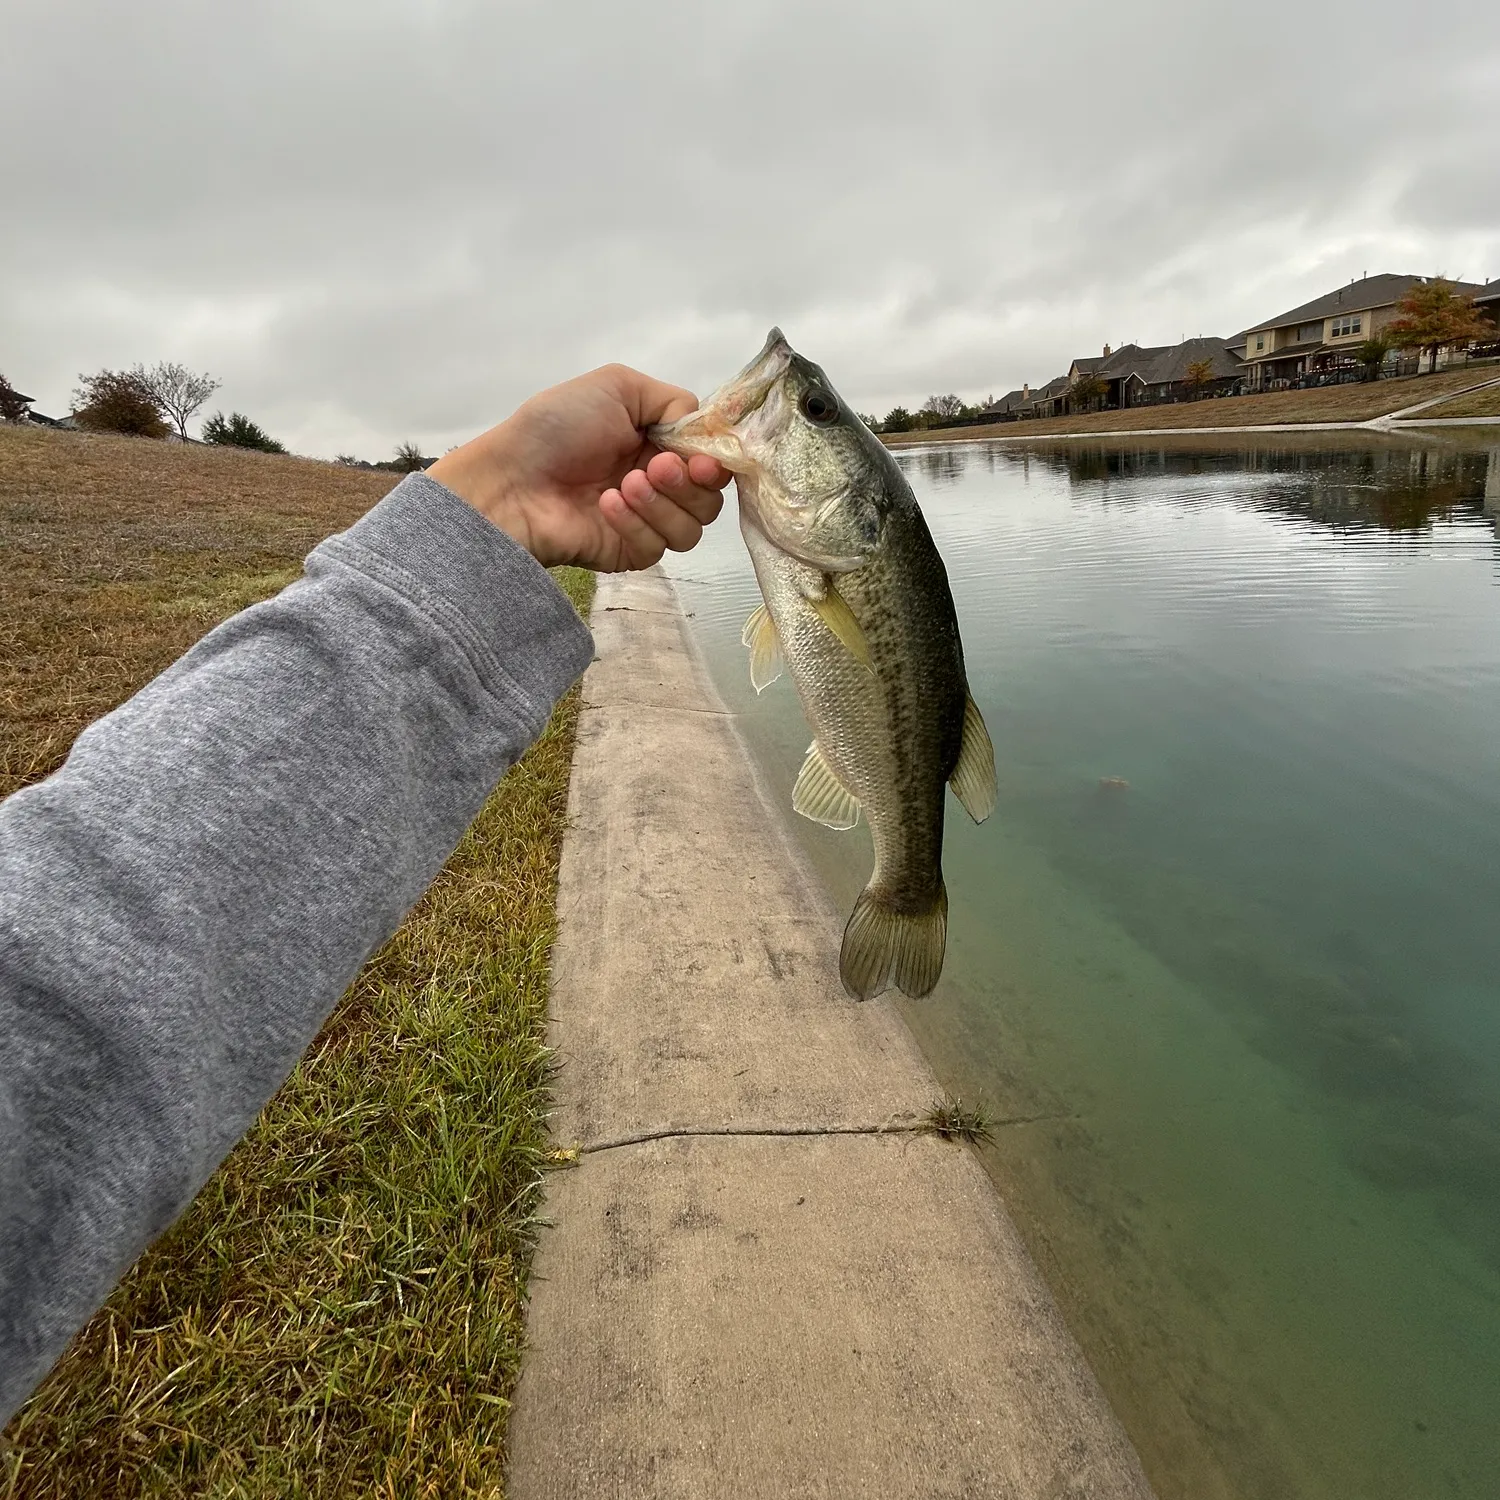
[{"x": 386, "y": 219}]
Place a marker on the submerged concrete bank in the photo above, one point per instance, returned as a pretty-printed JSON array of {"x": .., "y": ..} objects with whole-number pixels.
[{"x": 752, "y": 1285}]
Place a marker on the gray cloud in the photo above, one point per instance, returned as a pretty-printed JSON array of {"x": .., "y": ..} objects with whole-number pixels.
[{"x": 396, "y": 219}]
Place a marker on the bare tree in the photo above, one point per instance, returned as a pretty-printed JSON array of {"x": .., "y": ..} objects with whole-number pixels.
[
  {"x": 943, "y": 406},
  {"x": 177, "y": 390},
  {"x": 409, "y": 458}
]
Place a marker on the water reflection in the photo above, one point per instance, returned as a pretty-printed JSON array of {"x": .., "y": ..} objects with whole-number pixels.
[
  {"x": 1398, "y": 484},
  {"x": 1233, "y": 928}
]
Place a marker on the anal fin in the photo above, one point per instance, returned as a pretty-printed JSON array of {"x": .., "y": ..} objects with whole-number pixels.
[
  {"x": 973, "y": 778},
  {"x": 821, "y": 796},
  {"x": 760, "y": 636}
]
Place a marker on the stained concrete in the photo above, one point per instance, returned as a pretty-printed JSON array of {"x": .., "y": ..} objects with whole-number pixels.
[{"x": 750, "y": 1314}]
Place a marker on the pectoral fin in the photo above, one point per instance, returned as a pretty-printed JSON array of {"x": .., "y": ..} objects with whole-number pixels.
[
  {"x": 760, "y": 636},
  {"x": 821, "y": 796},
  {"x": 833, "y": 610},
  {"x": 973, "y": 778}
]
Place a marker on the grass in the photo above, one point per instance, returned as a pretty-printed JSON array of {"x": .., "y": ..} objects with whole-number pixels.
[
  {"x": 954, "y": 1120},
  {"x": 119, "y": 553},
  {"x": 1333, "y": 403},
  {"x": 340, "y": 1311},
  {"x": 1475, "y": 404}
]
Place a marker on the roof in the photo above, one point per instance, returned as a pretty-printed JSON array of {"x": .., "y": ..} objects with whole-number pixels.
[
  {"x": 1129, "y": 358},
  {"x": 1359, "y": 296},
  {"x": 1086, "y": 366},
  {"x": 1008, "y": 402},
  {"x": 1488, "y": 293},
  {"x": 1171, "y": 365},
  {"x": 1052, "y": 388},
  {"x": 1294, "y": 351}
]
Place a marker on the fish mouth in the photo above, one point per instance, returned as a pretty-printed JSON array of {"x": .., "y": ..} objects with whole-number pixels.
[{"x": 711, "y": 429}]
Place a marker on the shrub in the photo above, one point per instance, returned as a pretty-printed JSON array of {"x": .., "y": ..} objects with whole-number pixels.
[
  {"x": 14, "y": 407},
  {"x": 117, "y": 401},
  {"x": 238, "y": 431}
]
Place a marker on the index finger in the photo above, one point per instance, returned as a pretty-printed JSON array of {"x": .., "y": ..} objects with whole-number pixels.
[{"x": 647, "y": 400}]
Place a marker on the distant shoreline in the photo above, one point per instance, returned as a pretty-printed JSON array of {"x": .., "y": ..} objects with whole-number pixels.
[{"x": 1379, "y": 406}]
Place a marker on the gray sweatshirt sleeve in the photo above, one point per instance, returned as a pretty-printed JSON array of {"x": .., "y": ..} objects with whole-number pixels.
[{"x": 182, "y": 903}]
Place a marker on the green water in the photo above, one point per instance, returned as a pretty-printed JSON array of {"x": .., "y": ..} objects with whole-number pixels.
[{"x": 1245, "y": 1009}]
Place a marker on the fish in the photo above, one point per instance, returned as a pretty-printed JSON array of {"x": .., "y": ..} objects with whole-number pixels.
[{"x": 858, "y": 609}]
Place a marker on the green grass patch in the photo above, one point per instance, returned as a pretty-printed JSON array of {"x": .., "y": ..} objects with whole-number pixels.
[
  {"x": 954, "y": 1120},
  {"x": 339, "y": 1313}
]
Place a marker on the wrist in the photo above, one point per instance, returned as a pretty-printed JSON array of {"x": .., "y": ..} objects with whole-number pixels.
[{"x": 479, "y": 473}]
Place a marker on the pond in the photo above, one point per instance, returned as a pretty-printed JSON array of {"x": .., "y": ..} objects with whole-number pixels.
[{"x": 1227, "y": 956}]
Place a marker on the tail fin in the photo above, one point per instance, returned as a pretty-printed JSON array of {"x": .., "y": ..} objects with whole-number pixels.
[{"x": 883, "y": 946}]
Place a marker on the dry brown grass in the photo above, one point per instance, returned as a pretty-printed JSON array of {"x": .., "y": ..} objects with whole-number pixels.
[
  {"x": 120, "y": 552},
  {"x": 340, "y": 1311},
  {"x": 1334, "y": 403},
  {"x": 1475, "y": 404}
]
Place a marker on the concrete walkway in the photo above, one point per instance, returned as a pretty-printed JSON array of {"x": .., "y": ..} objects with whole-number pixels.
[{"x": 759, "y": 1281}]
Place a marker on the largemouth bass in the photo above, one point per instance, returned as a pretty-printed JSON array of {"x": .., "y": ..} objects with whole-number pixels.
[{"x": 858, "y": 607}]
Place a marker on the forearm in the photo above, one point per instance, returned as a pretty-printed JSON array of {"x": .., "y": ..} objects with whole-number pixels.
[{"x": 184, "y": 901}]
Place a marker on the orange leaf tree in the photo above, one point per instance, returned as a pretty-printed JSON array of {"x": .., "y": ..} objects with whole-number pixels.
[
  {"x": 1433, "y": 315},
  {"x": 1197, "y": 376}
]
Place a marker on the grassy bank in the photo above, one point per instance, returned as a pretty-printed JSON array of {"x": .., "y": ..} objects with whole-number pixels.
[
  {"x": 119, "y": 553},
  {"x": 1475, "y": 404},
  {"x": 1334, "y": 403},
  {"x": 339, "y": 1313}
]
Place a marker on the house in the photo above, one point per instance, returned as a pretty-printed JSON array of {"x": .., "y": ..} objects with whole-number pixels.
[
  {"x": 1487, "y": 300},
  {"x": 1082, "y": 367},
  {"x": 1321, "y": 336},
  {"x": 1007, "y": 408},
  {"x": 1165, "y": 377},
  {"x": 1049, "y": 400},
  {"x": 1123, "y": 373}
]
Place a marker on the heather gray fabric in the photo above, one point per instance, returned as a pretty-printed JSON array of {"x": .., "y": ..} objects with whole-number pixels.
[{"x": 184, "y": 901}]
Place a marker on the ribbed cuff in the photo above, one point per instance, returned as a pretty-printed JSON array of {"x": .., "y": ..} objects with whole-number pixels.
[{"x": 518, "y": 629}]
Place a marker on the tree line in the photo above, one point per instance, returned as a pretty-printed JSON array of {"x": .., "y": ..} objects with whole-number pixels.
[{"x": 157, "y": 401}]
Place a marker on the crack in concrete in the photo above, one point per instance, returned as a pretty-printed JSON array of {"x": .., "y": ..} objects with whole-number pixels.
[
  {"x": 671, "y": 708},
  {"x": 894, "y": 1127}
]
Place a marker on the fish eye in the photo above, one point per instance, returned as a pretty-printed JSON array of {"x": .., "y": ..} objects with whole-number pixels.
[{"x": 820, "y": 407}]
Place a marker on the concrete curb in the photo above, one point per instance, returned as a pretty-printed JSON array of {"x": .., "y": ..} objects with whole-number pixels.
[{"x": 753, "y": 1285}]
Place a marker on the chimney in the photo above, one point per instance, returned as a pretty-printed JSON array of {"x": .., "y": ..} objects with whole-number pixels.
[
  {"x": 1106, "y": 351},
  {"x": 1025, "y": 391}
]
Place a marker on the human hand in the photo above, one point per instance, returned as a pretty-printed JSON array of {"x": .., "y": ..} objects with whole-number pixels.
[{"x": 571, "y": 476}]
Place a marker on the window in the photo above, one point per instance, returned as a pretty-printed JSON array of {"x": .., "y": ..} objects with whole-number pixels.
[
  {"x": 1260, "y": 342},
  {"x": 1309, "y": 331},
  {"x": 1344, "y": 326}
]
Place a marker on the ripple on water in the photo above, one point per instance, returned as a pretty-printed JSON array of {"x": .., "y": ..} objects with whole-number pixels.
[{"x": 1232, "y": 930}]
